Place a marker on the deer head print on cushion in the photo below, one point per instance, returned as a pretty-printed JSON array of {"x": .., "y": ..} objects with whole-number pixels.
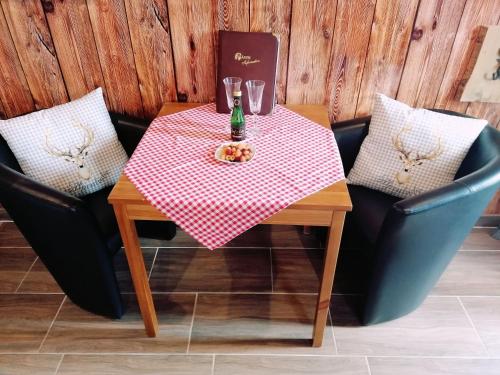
[
  {"x": 412, "y": 158},
  {"x": 73, "y": 153}
]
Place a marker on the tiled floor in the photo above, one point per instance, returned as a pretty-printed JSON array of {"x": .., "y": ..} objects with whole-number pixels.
[{"x": 248, "y": 309}]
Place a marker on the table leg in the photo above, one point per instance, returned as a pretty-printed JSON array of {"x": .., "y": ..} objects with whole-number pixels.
[
  {"x": 137, "y": 270},
  {"x": 325, "y": 289}
]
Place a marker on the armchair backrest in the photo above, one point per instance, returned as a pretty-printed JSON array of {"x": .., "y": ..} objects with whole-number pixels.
[
  {"x": 129, "y": 129},
  {"x": 484, "y": 149},
  {"x": 7, "y": 157}
]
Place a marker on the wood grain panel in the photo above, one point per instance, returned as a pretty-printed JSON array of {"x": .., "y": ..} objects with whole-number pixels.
[
  {"x": 69, "y": 24},
  {"x": 2, "y": 112},
  {"x": 301, "y": 217},
  {"x": 28, "y": 364},
  {"x": 274, "y": 17},
  {"x": 494, "y": 206},
  {"x": 273, "y": 365},
  {"x": 15, "y": 95},
  {"x": 282, "y": 322},
  {"x": 430, "y": 46},
  {"x": 135, "y": 364},
  {"x": 150, "y": 35},
  {"x": 233, "y": 15},
  {"x": 311, "y": 38},
  {"x": 229, "y": 15},
  {"x": 137, "y": 270},
  {"x": 78, "y": 331},
  {"x": 328, "y": 274},
  {"x": 391, "y": 30},
  {"x": 25, "y": 321},
  {"x": 112, "y": 38},
  {"x": 488, "y": 111},
  {"x": 14, "y": 267},
  {"x": 476, "y": 13},
  {"x": 193, "y": 41},
  {"x": 36, "y": 51},
  {"x": 350, "y": 43}
]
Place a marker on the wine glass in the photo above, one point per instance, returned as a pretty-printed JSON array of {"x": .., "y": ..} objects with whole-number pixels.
[
  {"x": 255, "y": 88},
  {"x": 232, "y": 84}
]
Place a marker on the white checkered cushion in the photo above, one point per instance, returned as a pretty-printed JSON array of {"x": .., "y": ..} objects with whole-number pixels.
[
  {"x": 72, "y": 147},
  {"x": 409, "y": 151}
]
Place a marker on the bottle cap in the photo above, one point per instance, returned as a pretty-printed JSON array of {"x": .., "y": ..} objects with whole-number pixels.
[{"x": 236, "y": 93}]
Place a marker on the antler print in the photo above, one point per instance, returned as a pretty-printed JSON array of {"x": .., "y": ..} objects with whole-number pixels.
[
  {"x": 411, "y": 159},
  {"x": 74, "y": 154},
  {"x": 398, "y": 143}
]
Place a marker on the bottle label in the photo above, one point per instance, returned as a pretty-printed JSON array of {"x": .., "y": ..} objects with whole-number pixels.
[
  {"x": 238, "y": 133},
  {"x": 237, "y": 121}
]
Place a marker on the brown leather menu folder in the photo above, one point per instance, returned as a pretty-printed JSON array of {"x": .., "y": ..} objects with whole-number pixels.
[{"x": 248, "y": 55}]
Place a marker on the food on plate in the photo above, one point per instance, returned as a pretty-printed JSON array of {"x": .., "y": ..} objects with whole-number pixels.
[{"x": 236, "y": 152}]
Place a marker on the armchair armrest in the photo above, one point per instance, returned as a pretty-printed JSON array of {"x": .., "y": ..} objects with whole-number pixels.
[
  {"x": 349, "y": 136},
  {"x": 487, "y": 177},
  {"x": 66, "y": 236},
  {"x": 13, "y": 181},
  {"x": 352, "y": 122},
  {"x": 129, "y": 129}
]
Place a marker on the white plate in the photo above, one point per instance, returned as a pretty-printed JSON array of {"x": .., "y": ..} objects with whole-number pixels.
[{"x": 218, "y": 152}]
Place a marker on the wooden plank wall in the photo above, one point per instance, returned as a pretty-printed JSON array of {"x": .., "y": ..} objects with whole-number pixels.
[{"x": 336, "y": 52}]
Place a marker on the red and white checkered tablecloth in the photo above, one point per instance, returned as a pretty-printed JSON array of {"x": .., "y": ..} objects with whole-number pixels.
[{"x": 175, "y": 169}]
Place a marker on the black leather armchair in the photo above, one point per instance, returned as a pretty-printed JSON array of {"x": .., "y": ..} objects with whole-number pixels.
[
  {"x": 408, "y": 243},
  {"x": 75, "y": 238}
]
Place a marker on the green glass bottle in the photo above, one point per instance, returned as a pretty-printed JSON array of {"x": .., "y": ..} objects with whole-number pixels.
[{"x": 237, "y": 119}]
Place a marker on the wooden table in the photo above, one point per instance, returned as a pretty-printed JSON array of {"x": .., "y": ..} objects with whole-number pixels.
[{"x": 325, "y": 208}]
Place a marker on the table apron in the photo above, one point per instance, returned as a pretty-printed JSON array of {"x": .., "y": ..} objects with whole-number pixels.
[{"x": 288, "y": 216}]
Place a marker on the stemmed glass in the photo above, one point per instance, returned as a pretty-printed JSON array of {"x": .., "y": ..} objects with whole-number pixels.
[
  {"x": 255, "y": 89},
  {"x": 232, "y": 84}
]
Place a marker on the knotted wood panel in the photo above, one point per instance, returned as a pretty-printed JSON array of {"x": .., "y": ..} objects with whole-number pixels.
[
  {"x": 311, "y": 38},
  {"x": 69, "y": 24},
  {"x": 233, "y": 15},
  {"x": 274, "y": 17},
  {"x": 193, "y": 40},
  {"x": 30, "y": 33},
  {"x": 431, "y": 40},
  {"x": 15, "y": 95},
  {"x": 112, "y": 37},
  {"x": 390, "y": 36},
  {"x": 150, "y": 35},
  {"x": 353, "y": 24}
]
